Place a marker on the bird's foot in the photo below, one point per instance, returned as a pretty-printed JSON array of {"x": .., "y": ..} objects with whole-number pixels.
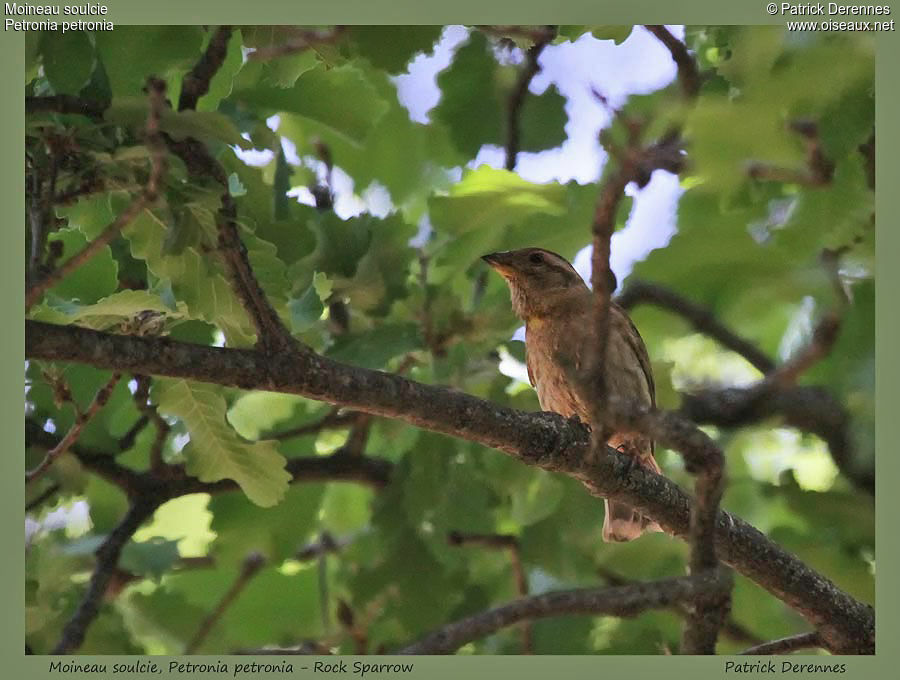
[{"x": 578, "y": 422}]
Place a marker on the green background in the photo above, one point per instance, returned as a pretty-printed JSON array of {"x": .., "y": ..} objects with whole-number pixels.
[{"x": 499, "y": 12}]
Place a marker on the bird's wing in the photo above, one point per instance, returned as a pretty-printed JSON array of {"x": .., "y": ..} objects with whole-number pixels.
[{"x": 636, "y": 343}]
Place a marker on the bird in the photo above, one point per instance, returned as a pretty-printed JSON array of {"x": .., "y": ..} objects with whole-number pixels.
[{"x": 558, "y": 310}]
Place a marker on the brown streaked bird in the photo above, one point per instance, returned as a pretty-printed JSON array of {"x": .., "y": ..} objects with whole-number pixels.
[{"x": 557, "y": 308}]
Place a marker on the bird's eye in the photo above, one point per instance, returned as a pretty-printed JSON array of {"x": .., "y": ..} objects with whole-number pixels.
[{"x": 535, "y": 258}]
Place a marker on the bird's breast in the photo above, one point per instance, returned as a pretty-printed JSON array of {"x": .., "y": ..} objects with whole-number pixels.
[{"x": 552, "y": 358}]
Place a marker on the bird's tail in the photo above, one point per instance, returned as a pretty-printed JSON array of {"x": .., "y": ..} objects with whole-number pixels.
[{"x": 624, "y": 523}]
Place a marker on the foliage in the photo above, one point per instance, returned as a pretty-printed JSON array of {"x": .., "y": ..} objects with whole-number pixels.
[{"x": 354, "y": 288}]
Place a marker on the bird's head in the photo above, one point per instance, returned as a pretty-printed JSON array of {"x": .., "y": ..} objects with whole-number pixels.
[{"x": 540, "y": 282}]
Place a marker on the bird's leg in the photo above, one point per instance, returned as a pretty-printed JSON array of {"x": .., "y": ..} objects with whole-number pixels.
[{"x": 575, "y": 420}]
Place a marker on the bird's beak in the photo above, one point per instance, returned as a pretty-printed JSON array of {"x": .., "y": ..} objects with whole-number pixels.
[{"x": 501, "y": 263}]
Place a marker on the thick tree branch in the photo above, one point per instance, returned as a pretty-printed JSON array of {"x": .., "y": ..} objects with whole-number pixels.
[
  {"x": 157, "y": 101},
  {"x": 543, "y": 439},
  {"x": 65, "y": 103},
  {"x": 107, "y": 559},
  {"x": 196, "y": 83},
  {"x": 623, "y": 601},
  {"x": 701, "y": 319},
  {"x": 173, "y": 481},
  {"x": 730, "y": 628},
  {"x": 517, "y": 97},
  {"x": 787, "y": 645}
]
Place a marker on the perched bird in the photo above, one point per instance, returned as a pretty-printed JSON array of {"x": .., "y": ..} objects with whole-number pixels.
[{"x": 557, "y": 308}]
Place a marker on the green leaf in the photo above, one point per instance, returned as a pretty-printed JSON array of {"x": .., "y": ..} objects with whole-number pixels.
[
  {"x": 93, "y": 280},
  {"x": 391, "y": 47},
  {"x": 324, "y": 96},
  {"x": 132, "y": 53},
  {"x": 106, "y": 313},
  {"x": 342, "y": 243},
  {"x": 194, "y": 278},
  {"x": 222, "y": 81},
  {"x": 618, "y": 34},
  {"x": 470, "y": 105},
  {"x": 405, "y": 157},
  {"x": 489, "y": 198},
  {"x": 254, "y": 413},
  {"x": 375, "y": 347},
  {"x": 543, "y": 120},
  {"x": 68, "y": 59},
  {"x": 154, "y": 556},
  {"x": 276, "y": 533},
  {"x": 216, "y": 451},
  {"x": 206, "y": 126},
  {"x": 91, "y": 215},
  {"x": 284, "y": 71},
  {"x": 307, "y": 309}
]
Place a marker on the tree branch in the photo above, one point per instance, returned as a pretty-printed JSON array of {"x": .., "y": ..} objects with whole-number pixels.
[
  {"x": 730, "y": 628},
  {"x": 66, "y": 104},
  {"x": 250, "y": 567},
  {"x": 807, "y": 408},
  {"x": 543, "y": 439},
  {"x": 271, "y": 334},
  {"x": 688, "y": 74},
  {"x": 623, "y": 601},
  {"x": 157, "y": 101},
  {"x": 702, "y": 457},
  {"x": 82, "y": 419},
  {"x": 173, "y": 481},
  {"x": 302, "y": 41},
  {"x": 511, "y": 544},
  {"x": 517, "y": 97},
  {"x": 701, "y": 319},
  {"x": 196, "y": 83},
  {"x": 107, "y": 559},
  {"x": 787, "y": 645}
]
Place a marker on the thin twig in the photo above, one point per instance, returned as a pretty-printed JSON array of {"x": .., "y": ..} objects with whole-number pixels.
[
  {"x": 107, "y": 559},
  {"x": 126, "y": 441},
  {"x": 326, "y": 544},
  {"x": 819, "y": 170},
  {"x": 148, "y": 410},
  {"x": 701, "y": 319},
  {"x": 688, "y": 74},
  {"x": 787, "y": 645},
  {"x": 824, "y": 336},
  {"x": 511, "y": 544},
  {"x": 42, "y": 497},
  {"x": 196, "y": 83},
  {"x": 249, "y": 568},
  {"x": 335, "y": 419},
  {"x": 156, "y": 89},
  {"x": 81, "y": 419},
  {"x": 623, "y": 601},
  {"x": 517, "y": 97},
  {"x": 302, "y": 41}
]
